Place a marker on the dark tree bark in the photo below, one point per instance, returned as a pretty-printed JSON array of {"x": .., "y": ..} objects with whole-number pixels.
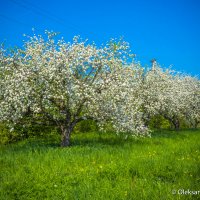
[
  {"x": 66, "y": 131},
  {"x": 65, "y": 136},
  {"x": 176, "y": 124},
  {"x": 146, "y": 119}
]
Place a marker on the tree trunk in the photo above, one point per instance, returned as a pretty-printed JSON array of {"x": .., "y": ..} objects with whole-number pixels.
[
  {"x": 176, "y": 124},
  {"x": 66, "y": 130},
  {"x": 146, "y": 120},
  {"x": 65, "y": 136}
]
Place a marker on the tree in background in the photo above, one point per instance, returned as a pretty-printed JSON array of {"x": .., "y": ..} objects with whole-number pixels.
[
  {"x": 192, "y": 112},
  {"x": 170, "y": 94}
]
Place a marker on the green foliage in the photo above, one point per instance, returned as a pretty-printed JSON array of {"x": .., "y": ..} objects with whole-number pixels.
[
  {"x": 21, "y": 132},
  {"x": 184, "y": 124},
  {"x": 159, "y": 122},
  {"x": 86, "y": 126},
  {"x": 106, "y": 168},
  {"x": 7, "y": 135}
]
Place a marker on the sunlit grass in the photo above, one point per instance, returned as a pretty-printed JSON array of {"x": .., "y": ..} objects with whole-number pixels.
[{"x": 102, "y": 167}]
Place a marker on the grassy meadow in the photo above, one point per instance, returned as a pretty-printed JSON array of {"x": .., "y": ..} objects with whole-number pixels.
[{"x": 105, "y": 166}]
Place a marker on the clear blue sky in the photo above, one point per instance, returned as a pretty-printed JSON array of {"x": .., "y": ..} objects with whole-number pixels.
[{"x": 168, "y": 30}]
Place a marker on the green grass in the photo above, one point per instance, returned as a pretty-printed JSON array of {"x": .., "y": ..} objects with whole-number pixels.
[{"x": 107, "y": 167}]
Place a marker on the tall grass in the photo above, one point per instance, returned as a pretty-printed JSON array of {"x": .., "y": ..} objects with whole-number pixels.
[{"x": 102, "y": 167}]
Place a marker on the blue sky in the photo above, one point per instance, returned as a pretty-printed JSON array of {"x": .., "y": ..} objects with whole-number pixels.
[{"x": 168, "y": 30}]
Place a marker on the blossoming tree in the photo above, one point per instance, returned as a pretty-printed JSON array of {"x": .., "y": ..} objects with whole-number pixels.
[
  {"x": 173, "y": 95},
  {"x": 65, "y": 83},
  {"x": 192, "y": 111}
]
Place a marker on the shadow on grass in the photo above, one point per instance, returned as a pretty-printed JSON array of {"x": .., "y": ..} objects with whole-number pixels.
[
  {"x": 181, "y": 134},
  {"x": 106, "y": 139},
  {"x": 32, "y": 145},
  {"x": 96, "y": 140},
  {"x": 111, "y": 139},
  {"x": 91, "y": 140}
]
